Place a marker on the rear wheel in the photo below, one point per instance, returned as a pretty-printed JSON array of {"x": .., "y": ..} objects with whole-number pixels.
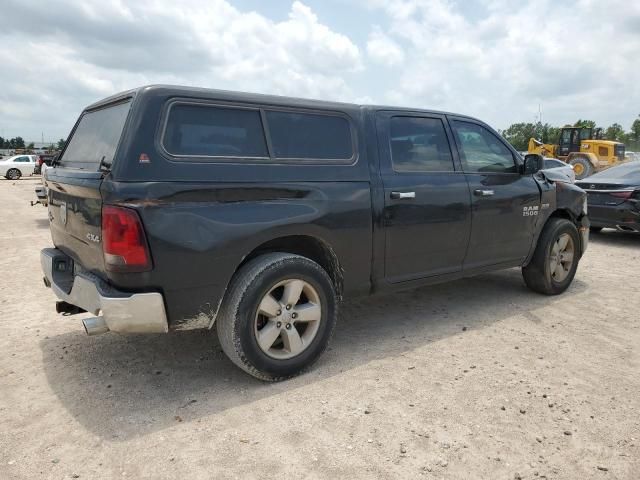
[
  {"x": 582, "y": 167},
  {"x": 14, "y": 174},
  {"x": 555, "y": 259},
  {"x": 278, "y": 317}
]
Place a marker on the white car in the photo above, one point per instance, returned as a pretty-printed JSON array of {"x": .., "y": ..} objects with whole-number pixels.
[
  {"x": 560, "y": 167},
  {"x": 632, "y": 156},
  {"x": 18, "y": 166}
]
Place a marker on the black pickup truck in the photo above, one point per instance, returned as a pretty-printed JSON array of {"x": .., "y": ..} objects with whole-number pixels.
[{"x": 177, "y": 208}]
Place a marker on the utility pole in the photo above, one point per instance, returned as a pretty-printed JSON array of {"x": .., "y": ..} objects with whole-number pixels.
[{"x": 540, "y": 112}]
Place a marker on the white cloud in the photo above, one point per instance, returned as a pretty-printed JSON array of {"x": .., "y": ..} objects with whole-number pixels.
[
  {"x": 495, "y": 59},
  {"x": 576, "y": 58},
  {"x": 384, "y": 50},
  {"x": 88, "y": 49}
]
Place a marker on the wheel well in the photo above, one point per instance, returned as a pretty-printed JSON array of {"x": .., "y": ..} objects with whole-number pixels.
[
  {"x": 563, "y": 214},
  {"x": 305, "y": 246}
]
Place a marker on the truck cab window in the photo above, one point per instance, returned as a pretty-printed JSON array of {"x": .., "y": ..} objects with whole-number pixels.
[{"x": 481, "y": 151}]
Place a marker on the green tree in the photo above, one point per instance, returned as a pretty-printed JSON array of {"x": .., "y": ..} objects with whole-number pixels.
[
  {"x": 2, "y": 142},
  {"x": 585, "y": 123},
  {"x": 635, "y": 129},
  {"x": 19, "y": 142},
  {"x": 549, "y": 134},
  {"x": 61, "y": 143},
  {"x": 615, "y": 132},
  {"x": 31, "y": 146},
  {"x": 519, "y": 134}
]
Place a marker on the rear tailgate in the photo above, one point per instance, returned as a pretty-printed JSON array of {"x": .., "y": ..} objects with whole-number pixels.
[{"x": 75, "y": 203}]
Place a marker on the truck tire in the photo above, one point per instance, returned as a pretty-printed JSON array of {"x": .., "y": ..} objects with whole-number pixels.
[
  {"x": 555, "y": 260},
  {"x": 278, "y": 316},
  {"x": 582, "y": 167},
  {"x": 14, "y": 174}
]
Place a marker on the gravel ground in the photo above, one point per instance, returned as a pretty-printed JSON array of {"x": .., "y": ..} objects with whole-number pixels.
[{"x": 479, "y": 378}]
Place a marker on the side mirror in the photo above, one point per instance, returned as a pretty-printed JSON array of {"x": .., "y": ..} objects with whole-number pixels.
[{"x": 533, "y": 163}]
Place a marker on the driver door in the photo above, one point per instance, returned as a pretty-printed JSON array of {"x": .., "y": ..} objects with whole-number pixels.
[{"x": 504, "y": 203}]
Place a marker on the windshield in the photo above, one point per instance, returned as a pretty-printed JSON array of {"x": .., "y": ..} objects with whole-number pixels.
[{"x": 96, "y": 138}]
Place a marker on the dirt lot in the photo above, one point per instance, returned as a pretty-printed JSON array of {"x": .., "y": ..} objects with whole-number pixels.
[{"x": 475, "y": 379}]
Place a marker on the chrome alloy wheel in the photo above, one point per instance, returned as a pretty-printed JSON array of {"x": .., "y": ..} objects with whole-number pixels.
[
  {"x": 561, "y": 257},
  {"x": 287, "y": 319}
]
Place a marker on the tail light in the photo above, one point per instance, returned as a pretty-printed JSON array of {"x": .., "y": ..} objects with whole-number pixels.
[
  {"x": 123, "y": 241},
  {"x": 624, "y": 195}
]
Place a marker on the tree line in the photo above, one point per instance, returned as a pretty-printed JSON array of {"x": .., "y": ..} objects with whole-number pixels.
[
  {"x": 18, "y": 142},
  {"x": 519, "y": 134}
]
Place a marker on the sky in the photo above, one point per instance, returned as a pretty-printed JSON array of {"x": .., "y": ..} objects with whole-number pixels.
[{"x": 498, "y": 60}]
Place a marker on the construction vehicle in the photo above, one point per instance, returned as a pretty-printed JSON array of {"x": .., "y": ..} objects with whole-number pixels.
[{"x": 583, "y": 148}]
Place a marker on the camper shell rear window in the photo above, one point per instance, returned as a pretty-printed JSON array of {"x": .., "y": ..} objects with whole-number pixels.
[
  {"x": 96, "y": 137},
  {"x": 218, "y": 133}
]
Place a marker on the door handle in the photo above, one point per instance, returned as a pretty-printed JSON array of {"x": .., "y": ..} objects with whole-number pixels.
[
  {"x": 402, "y": 195},
  {"x": 483, "y": 193}
]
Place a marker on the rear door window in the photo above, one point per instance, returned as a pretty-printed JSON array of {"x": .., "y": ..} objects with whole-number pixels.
[
  {"x": 212, "y": 131},
  {"x": 419, "y": 145},
  {"x": 96, "y": 138},
  {"x": 297, "y": 135}
]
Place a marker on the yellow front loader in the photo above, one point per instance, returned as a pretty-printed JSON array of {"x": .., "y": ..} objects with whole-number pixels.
[{"x": 580, "y": 148}]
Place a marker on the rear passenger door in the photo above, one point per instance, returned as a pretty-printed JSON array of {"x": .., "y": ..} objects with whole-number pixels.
[
  {"x": 426, "y": 199},
  {"x": 505, "y": 203}
]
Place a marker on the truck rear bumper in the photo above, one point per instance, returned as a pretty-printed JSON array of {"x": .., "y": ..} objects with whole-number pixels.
[{"x": 115, "y": 310}]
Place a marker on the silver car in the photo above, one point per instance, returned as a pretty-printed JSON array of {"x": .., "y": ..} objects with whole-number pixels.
[{"x": 559, "y": 166}]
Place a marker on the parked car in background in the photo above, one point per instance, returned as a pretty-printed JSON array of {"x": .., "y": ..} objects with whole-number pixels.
[
  {"x": 44, "y": 159},
  {"x": 18, "y": 166},
  {"x": 558, "y": 166},
  {"x": 42, "y": 191},
  {"x": 632, "y": 156},
  {"x": 614, "y": 198}
]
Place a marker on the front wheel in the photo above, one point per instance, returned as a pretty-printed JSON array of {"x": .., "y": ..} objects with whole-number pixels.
[
  {"x": 555, "y": 259},
  {"x": 582, "y": 167},
  {"x": 14, "y": 174},
  {"x": 278, "y": 317}
]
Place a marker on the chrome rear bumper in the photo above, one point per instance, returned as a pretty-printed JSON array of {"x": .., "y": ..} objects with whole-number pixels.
[{"x": 115, "y": 310}]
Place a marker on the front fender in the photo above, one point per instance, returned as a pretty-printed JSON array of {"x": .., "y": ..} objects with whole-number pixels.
[{"x": 560, "y": 199}]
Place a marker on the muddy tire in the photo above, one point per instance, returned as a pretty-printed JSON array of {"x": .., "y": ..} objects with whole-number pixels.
[
  {"x": 278, "y": 316},
  {"x": 555, "y": 259},
  {"x": 582, "y": 167}
]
